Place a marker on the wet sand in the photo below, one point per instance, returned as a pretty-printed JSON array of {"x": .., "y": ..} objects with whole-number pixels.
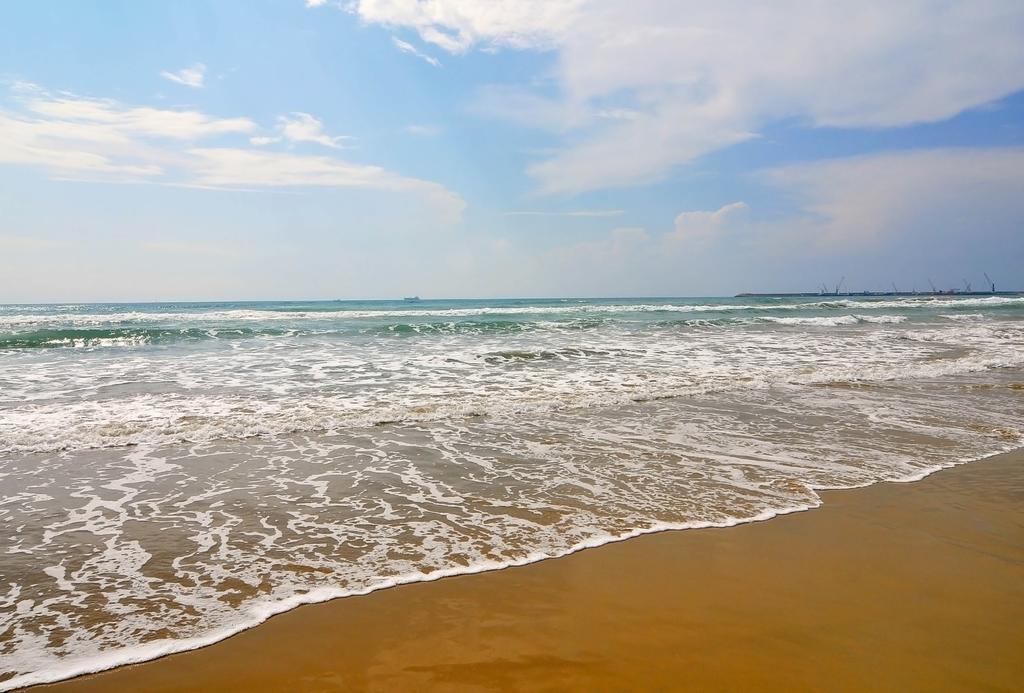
[{"x": 894, "y": 587}]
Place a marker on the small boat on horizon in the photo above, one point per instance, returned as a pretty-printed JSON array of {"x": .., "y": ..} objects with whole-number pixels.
[{"x": 411, "y": 299}]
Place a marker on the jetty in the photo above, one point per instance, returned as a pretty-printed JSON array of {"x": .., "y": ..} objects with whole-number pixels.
[
  {"x": 847, "y": 294},
  {"x": 837, "y": 291}
]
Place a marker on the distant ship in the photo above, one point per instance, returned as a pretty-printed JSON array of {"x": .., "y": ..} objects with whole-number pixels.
[{"x": 411, "y": 299}]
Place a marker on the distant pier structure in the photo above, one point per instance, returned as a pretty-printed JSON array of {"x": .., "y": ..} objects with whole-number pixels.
[
  {"x": 825, "y": 290},
  {"x": 848, "y": 294}
]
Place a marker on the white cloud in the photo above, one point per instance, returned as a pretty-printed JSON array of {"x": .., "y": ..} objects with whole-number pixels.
[
  {"x": 188, "y": 76},
  {"x": 302, "y": 127},
  {"x": 105, "y": 115},
  {"x": 648, "y": 85},
  {"x": 315, "y": 3},
  {"x": 73, "y": 137},
  {"x": 904, "y": 216},
  {"x": 240, "y": 168},
  {"x": 69, "y": 151},
  {"x": 572, "y": 213},
  {"x": 456, "y": 25},
  {"x": 407, "y": 47},
  {"x": 866, "y": 204},
  {"x": 864, "y": 201},
  {"x": 702, "y": 226}
]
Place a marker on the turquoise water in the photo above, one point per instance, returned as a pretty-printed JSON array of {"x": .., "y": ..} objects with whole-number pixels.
[
  {"x": 87, "y": 376},
  {"x": 173, "y": 473},
  {"x": 136, "y": 324}
]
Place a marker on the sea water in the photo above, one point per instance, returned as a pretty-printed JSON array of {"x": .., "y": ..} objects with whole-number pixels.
[{"x": 171, "y": 474}]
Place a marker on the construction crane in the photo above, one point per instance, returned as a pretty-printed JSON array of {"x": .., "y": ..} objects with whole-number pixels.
[
  {"x": 894, "y": 289},
  {"x": 967, "y": 284},
  {"x": 934, "y": 290},
  {"x": 840, "y": 284},
  {"x": 991, "y": 283}
]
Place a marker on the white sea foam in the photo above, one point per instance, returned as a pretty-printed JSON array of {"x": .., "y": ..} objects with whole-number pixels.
[
  {"x": 21, "y": 320},
  {"x": 259, "y": 612},
  {"x": 455, "y": 387},
  {"x": 963, "y": 317},
  {"x": 838, "y": 320}
]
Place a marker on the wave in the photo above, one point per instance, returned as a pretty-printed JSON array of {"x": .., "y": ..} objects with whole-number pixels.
[
  {"x": 552, "y": 355},
  {"x": 837, "y": 321},
  {"x": 964, "y": 317},
  {"x": 162, "y": 419},
  {"x": 126, "y": 336},
  {"x": 249, "y": 315},
  {"x": 933, "y": 302},
  {"x": 96, "y": 337},
  {"x": 485, "y": 326},
  {"x": 82, "y": 337}
]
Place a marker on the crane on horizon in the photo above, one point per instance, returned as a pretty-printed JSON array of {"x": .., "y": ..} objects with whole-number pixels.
[{"x": 991, "y": 283}]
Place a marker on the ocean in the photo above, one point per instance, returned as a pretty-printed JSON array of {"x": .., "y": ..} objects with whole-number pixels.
[{"x": 171, "y": 474}]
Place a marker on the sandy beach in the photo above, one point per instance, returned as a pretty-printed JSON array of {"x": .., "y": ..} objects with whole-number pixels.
[{"x": 914, "y": 586}]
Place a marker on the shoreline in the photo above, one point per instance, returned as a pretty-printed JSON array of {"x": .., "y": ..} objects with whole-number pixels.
[{"x": 154, "y": 672}]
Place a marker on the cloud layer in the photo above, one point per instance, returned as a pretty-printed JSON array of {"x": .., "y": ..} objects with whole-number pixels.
[
  {"x": 75, "y": 137},
  {"x": 903, "y": 216},
  {"x": 647, "y": 85}
]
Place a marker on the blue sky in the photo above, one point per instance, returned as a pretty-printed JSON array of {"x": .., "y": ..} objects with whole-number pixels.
[{"x": 292, "y": 149}]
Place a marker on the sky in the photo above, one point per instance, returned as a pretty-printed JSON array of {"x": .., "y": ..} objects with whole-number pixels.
[{"x": 323, "y": 149}]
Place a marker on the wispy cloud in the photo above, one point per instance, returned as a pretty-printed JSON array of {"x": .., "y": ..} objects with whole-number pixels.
[
  {"x": 81, "y": 138},
  {"x": 188, "y": 76},
  {"x": 874, "y": 218},
  {"x": 423, "y": 130},
  {"x": 73, "y": 111},
  {"x": 863, "y": 201},
  {"x": 645, "y": 86},
  {"x": 76, "y": 137},
  {"x": 407, "y": 47},
  {"x": 573, "y": 213},
  {"x": 302, "y": 127},
  {"x": 241, "y": 168},
  {"x": 456, "y": 25},
  {"x": 702, "y": 226}
]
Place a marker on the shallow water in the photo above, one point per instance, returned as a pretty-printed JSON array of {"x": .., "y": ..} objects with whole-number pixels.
[{"x": 171, "y": 474}]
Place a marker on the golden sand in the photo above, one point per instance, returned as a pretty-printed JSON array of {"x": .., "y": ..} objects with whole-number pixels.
[{"x": 895, "y": 587}]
